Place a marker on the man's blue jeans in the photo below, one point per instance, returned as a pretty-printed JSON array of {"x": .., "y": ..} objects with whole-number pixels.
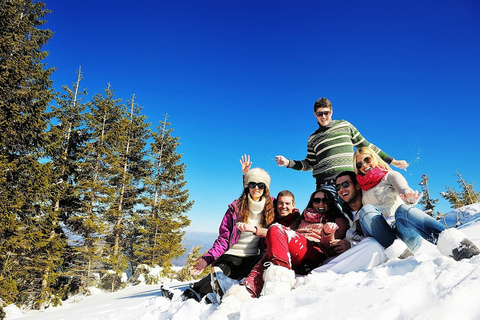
[{"x": 411, "y": 223}]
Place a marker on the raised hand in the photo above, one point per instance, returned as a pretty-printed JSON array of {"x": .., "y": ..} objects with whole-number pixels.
[
  {"x": 401, "y": 164},
  {"x": 282, "y": 161},
  {"x": 245, "y": 163}
]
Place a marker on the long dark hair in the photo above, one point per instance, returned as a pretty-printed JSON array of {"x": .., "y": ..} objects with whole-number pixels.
[
  {"x": 268, "y": 213},
  {"x": 333, "y": 211}
]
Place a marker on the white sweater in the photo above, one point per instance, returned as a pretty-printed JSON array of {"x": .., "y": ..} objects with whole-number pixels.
[
  {"x": 247, "y": 244},
  {"x": 385, "y": 195}
]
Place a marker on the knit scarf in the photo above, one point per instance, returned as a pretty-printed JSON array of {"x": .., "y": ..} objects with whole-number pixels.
[
  {"x": 372, "y": 178},
  {"x": 290, "y": 219},
  {"x": 312, "y": 216}
]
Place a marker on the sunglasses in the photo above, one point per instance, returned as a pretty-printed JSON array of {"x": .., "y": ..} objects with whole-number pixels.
[
  {"x": 344, "y": 184},
  {"x": 253, "y": 185},
  {"x": 365, "y": 160},
  {"x": 318, "y": 200},
  {"x": 322, "y": 113}
]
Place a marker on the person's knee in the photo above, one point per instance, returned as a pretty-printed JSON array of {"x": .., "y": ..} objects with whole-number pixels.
[
  {"x": 368, "y": 213},
  {"x": 275, "y": 230},
  {"x": 368, "y": 210},
  {"x": 402, "y": 212}
]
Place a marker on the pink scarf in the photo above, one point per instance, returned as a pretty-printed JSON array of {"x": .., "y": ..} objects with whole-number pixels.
[
  {"x": 372, "y": 178},
  {"x": 312, "y": 216}
]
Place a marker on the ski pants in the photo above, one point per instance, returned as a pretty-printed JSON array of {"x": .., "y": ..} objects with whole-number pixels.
[
  {"x": 232, "y": 266},
  {"x": 292, "y": 250}
]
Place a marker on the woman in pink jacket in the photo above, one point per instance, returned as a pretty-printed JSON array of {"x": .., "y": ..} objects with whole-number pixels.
[{"x": 238, "y": 247}]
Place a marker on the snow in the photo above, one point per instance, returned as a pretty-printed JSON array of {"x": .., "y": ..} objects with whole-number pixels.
[{"x": 426, "y": 286}]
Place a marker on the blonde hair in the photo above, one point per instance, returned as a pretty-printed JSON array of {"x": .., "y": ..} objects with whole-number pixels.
[{"x": 376, "y": 160}]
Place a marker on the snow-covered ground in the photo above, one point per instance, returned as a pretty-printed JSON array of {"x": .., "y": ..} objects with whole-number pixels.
[{"x": 426, "y": 286}]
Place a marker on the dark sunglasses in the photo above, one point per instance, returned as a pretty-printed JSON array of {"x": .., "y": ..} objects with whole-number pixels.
[
  {"x": 318, "y": 200},
  {"x": 344, "y": 184},
  {"x": 365, "y": 160},
  {"x": 322, "y": 113},
  {"x": 253, "y": 185}
]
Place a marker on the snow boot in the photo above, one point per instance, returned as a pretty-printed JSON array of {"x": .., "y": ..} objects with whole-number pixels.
[
  {"x": 398, "y": 249},
  {"x": 453, "y": 243},
  {"x": 189, "y": 293},
  {"x": 278, "y": 280},
  {"x": 166, "y": 292}
]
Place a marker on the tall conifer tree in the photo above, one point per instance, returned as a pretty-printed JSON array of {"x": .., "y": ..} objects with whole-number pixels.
[
  {"x": 166, "y": 201},
  {"x": 67, "y": 138},
  {"x": 96, "y": 196},
  {"x": 30, "y": 248},
  {"x": 127, "y": 169}
]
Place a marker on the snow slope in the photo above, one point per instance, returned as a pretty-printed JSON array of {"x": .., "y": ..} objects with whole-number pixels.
[{"x": 426, "y": 286}]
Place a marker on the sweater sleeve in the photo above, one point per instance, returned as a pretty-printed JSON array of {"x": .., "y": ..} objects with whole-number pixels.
[
  {"x": 359, "y": 141},
  {"x": 398, "y": 182},
  {"x": 342, "y": 228},
  {"x": 308, "y": 163}
]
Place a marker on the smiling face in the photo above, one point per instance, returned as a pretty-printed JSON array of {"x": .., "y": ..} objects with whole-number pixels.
[
  {"x": 349, "y": 193},
  {"x": 324, "y": 116},
  {"x": 285, "y": 205},
  {"x": 365, "y": 163},
  {"x": 320, "y": 202},
  {"x": 256, "y": 193}
]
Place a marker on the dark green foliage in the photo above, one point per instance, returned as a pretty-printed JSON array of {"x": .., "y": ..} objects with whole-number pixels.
[
  {"x": 427, "y": 202},
  {"x": 467, "y": 195},
  {"x": 160, "y": 224},
  {"x": 31, "y": 245},
  {"x": 184, "y": 273},
  {"x": 81, "y": 194}
]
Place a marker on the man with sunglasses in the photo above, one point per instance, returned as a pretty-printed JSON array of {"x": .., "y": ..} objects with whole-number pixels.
[
  {"x": 330, "y": 147},
  {"x": 366, "y": 221}
]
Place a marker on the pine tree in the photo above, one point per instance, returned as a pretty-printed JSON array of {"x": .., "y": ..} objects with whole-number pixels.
[
  {"x": 467, "y": 196},
  {"x": 96, "y": 196},
  {"x": 427, "y": 202},
  {"x": 30, "y": 248},
  {"x": 67, "y": 138},
  {"x": 453, "y": 197},
  {"x": 166, "y": 203},
  {"x": 468, "y": 193},
  {"x": 127, "y": 168}
]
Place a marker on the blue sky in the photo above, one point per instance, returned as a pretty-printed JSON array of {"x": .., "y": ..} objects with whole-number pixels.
[{"x": 240, "y": 77}]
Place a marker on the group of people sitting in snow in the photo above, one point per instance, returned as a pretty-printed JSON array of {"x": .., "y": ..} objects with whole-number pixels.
[{"x": 361, "y": 214}]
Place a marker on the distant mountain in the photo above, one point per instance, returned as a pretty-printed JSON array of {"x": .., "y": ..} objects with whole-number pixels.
[{"x": 194, "y": 239}]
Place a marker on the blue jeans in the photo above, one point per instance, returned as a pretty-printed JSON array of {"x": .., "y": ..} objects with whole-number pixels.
[
  {"x": 411, "y": 223},
  {"x": 374, "y": 225}
]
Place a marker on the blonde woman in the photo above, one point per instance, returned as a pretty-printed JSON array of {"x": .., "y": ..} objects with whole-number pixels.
[{"x": 388, "y": 191}]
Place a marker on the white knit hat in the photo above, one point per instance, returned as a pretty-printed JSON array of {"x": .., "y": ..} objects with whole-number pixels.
[{"x": 256, "y": 175}]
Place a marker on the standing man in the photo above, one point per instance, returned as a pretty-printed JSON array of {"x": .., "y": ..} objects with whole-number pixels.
[{"x": 330, "y": 147}]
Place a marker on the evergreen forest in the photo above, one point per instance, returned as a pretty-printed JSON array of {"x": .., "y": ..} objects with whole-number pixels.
[{"x": 88, "y": 189}]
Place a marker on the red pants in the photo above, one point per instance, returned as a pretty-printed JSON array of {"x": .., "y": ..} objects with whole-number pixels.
[{"x": 293, "y": 252}]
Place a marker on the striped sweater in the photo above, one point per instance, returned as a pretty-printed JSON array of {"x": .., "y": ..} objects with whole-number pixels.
[{"x": 330, "y": 150}]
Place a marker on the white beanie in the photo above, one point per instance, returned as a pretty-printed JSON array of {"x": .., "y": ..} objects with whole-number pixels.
[{"x": 256, "y": 175}]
